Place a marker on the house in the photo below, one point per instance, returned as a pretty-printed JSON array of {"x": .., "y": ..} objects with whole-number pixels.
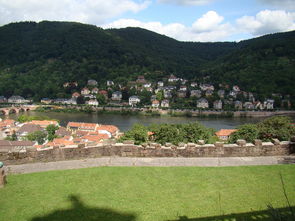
[
  {"x": 181, "y": 94},
  {"x": 202, "y": 103},
  {"x": 147, "y": 84},
  {"x": 258, "y": 105},
  {"x": 104, "y": 93},
  {"x": 117, "y": 96},
  {"x": 196, "y": 93},
  {"x": 140, "y": 79},
  {"x": 153, "y": 97},
  {"x": 75, "y": 95},
  {"x": 269, "y": 104},
  {"x": 183, "y": 88},
  {"x": 110, "y": 83},
  {"x": 221, "y": 93},
  {"x": 217, "y": 104},
  {"x": 248, "y": 105},
  {"x": 93, "y": 102},
  {"x": 165, "y": 103},
  {"x": 233, "y": 94},
  {"x": 150, "y": 89},
  {"x": 238, "y": 105},
  {"x": 95, "y": 90},
  {"x": 92, "y": 82},
  {"x": 167, "y": 94},
  {"x": 72, "y": 101},
  {"x": 70, "y": 84},
  {"x": 209, "y": 93},
  {"x": 28, "y": 128},
  {"x": 110, "y": 130},
  {"x": 172, "y": 78},
  {"x": 155, "y": 103},
  {"x": 74, "y": 126},
  {"x": 205, "y": 87},
  {"x": 60, "y": 100},
  {"x": 85, "y": 91},
  {"x": 134, "y": 100},
  {"x": 17, "y": 99},
  {"x": 66, "y": 141},
  {"x": 6, "y": 145},
  {"x": 46, "y": 101},
  {"x": 236, "y": 88},
  {"x": 160, "y": 84},
  {"x": 194, "y": 84},
  {"x": 224, "y": 134},
  {"x": 62, "y": 131},
  {"x": 251, "y": 97},
  {"x": 3, "y": 99}
]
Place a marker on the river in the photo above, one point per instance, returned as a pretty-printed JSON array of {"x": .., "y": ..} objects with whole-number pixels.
[{"x": 125, "y": 122}]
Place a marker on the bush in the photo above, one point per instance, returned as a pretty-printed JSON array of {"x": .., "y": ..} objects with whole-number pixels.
[{"x": 248, "y": 132}]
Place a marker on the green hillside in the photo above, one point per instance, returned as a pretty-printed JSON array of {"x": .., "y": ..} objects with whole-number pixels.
[{"x": 37, "y": 58}]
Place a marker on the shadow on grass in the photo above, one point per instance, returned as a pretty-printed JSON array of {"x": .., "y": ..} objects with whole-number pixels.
[
  {"x": 81, "y": 212},
  {"x": 280, "y": 214}
]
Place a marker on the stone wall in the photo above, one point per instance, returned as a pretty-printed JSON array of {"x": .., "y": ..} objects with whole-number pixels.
[{"x": 128, "y": 149}]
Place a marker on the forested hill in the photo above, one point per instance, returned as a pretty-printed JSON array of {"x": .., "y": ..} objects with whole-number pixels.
[{"x": 37, "y": 58}]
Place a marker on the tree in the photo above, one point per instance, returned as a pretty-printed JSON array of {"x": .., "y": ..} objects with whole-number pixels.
[
  {"x": 80, "y": 100},
  {"x": 101, "y": 99},
  {"x": 279, "y": 127},
  {"x": 160, "y": 95},
  {"x": 138, "y": 133},
  {"x": 248, "y": 132},
  {"x": 51, "y": 131},
  {"x": 38, "y": 136}
]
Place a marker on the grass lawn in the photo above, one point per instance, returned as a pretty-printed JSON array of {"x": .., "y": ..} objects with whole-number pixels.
[{"x": 147, "y": 193}]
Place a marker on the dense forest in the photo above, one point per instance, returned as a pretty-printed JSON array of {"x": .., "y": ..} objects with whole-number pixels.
[{"x": 37, "y": 58}]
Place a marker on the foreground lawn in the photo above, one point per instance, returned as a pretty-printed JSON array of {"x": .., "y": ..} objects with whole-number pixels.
[{"x": 146, "y": 193}]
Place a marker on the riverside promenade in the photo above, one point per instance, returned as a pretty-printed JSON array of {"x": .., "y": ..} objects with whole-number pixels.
[{"x": 150, "y": 162}]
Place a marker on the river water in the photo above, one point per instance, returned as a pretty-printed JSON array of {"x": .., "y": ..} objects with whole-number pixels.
[{"x": 125, "y": 122}]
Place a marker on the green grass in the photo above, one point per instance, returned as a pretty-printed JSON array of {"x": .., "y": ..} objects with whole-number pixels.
[{"x": 145, "y": 193}]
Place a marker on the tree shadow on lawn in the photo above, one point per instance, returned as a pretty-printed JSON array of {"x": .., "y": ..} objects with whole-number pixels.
[
  {"x": 279, "y": 214},
  {"x": 81, "y": 212}
]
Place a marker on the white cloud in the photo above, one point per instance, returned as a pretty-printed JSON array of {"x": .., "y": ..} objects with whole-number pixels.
[
  {"x": 88, "y": 11},
  {"x": 283, "y": 4},
  {"x": 207, "y": 22},
  {"x": 267, "y": 21},
  {"x": 186, "y": 2},
  {"x": 207, "y": 28}
]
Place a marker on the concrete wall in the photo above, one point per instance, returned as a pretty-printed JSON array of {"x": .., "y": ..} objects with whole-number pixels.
[{"x": 241, "y": 149}]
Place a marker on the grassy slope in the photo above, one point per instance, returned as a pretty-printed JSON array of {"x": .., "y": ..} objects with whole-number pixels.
[{"x": 147, "y": 193}]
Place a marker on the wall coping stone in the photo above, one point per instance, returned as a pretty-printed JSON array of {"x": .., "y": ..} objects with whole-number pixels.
[
  {"x": 250, "y": 145},
  {"x": 231, "y": 145},
  {"x": 165, "y": 148},
  {"x": 208, "y": 145},
  {"x": 181, "y": 148},
  {"x": 267, "y": 144}
]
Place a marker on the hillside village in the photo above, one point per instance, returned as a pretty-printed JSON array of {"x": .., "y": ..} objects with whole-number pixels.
[
  {"x": 172, "y": 92},
  {"x": 48, "y": 134}
]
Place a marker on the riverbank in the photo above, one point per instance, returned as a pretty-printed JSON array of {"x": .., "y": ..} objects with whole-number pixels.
[{"x": 160, "y": 112}]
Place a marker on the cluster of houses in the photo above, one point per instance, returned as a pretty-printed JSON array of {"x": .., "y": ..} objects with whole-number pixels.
[
  {"x": 74, "y": 134},
  {"x": 205, "y": 95},
  {"x": 172, "y": 87},
  {"x": 15, "y": 99}
]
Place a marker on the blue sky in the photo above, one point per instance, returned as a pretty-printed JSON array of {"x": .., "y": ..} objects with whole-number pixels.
[{"x": 185, "y": 20}]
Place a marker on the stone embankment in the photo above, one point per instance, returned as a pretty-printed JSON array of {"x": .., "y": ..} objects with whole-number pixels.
[{"x": 128, "y": 149}]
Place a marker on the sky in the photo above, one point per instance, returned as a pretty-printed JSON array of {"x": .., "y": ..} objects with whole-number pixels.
[{"x": 184, "y": 20}]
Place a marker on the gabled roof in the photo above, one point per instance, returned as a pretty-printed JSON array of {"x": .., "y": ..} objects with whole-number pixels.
[
  {"x": 225, "y": 132},
  {"x": 29, "y": 128}
]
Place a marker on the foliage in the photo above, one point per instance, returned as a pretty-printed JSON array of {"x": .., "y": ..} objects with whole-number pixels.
[
  {"x": 13, "y": 137},
  {"x": 279, "y": 127},
  {"x": 51, "y": 131},
  {"x": 248, "y": 132},
  {"x": 37, "y": 58},
  {"x": 169, "y": 133},
  {"x": 101, "y": 99},
  {"x": 38, "y": 136},
  {"x": 26, "y": 118},
  {"x": 138, "y": 133}
]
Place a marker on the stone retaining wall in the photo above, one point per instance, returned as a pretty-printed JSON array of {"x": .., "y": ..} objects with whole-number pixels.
[{"x": 128, "y": 149}]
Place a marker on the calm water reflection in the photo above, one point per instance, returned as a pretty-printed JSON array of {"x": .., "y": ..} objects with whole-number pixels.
[{"x": 125, "y": 122}]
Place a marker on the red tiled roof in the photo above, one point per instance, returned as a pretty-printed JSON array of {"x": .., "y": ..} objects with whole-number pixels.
[
  {"x": 225, "y": 132},
  {"x": 111, "y": 128}
]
